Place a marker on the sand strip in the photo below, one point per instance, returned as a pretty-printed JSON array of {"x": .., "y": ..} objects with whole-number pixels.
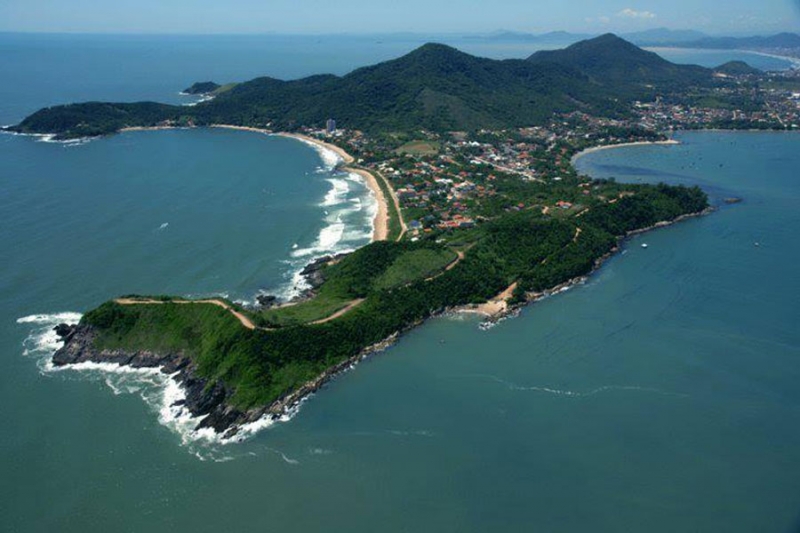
[
  {"x": 380, "y": 224},
  {"x": 671, "y": 142}
]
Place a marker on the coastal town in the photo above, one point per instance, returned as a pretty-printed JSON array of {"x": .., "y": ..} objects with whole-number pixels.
[
  {"x": 479, "y": 212},
  {"x": 446, "y": 182}
]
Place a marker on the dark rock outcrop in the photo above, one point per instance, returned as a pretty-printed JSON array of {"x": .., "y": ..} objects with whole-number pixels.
[
  {"x": 314, "y": 271},
  {"x": 202, "y": 87},
  {"x": 266, "y": 300},
  {"x": 204, "y": 398}
]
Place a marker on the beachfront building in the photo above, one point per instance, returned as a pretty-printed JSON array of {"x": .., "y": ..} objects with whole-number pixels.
[{"x": 330, "y": 126}]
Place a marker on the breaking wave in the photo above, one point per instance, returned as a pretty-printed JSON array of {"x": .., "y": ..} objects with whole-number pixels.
[
  {"x": 51, "y": 138},
  {"x": 162, "y": 393},
  {"x": 348, "y": 216}
]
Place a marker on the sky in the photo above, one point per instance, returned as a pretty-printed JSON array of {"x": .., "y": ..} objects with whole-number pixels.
[{"x": 385, "y": 16}]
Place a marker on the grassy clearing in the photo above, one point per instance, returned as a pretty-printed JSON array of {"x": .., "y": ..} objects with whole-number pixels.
[
  {"x": 261, "y": 366},
  {"x": 318, "y": 308},
  {"x": 162, "y": 328},
  {"x": 382, "y": 266},
  {"x": 414, "y": 265},
  {"x": 419, "y": 148},
  {"x": 225, "y": 88}
]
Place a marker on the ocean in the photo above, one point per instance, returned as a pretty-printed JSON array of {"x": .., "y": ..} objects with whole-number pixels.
[{"x": 661, "y": 395}]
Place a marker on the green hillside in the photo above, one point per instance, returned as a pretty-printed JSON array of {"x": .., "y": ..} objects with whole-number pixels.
[
  {"x": 434, "y": 87},
  {"x": 623, "y": 68}
]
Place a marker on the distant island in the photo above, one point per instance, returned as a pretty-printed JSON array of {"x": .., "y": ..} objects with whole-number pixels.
[{"x": 482, "y": 208}]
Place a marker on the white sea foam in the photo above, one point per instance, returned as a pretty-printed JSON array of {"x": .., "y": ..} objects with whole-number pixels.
[
  {"x": 162, "y": 392},
  {"x": 328, "y": 239},
  {"x": 337, "y": 194},
  {"x": 793, "y": 61},
  {"x": 330, "y": 158},
  {"x": 51, "y": 138},
  {"x": 206, "y": 98},
  {"x": 42, "y": 342},
  {"x": 349, "y": 217},
  {"x": 54, "y": 319}
]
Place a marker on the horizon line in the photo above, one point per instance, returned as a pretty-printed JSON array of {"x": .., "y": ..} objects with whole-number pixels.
[{"x": 470, "y": 33}]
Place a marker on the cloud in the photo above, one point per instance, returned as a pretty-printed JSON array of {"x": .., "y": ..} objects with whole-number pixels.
[{"x": 633, "y": 14}]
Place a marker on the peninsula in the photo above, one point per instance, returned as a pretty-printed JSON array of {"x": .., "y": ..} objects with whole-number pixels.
[{"x": 482, "y": 207}]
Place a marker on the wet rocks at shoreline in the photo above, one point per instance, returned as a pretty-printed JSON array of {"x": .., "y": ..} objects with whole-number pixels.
[
  {"x": 314, "y": 271},
  {"x": 313, "y": 274},
  {"x": 209, "y": 400}
]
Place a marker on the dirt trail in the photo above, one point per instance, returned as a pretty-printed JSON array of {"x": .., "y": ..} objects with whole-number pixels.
[
  {"x": 452, "y": 265},
  {"x": 246, "y": 322},
  {"x": 341, "y": 312},
  {"x": 497, "y": 305}
]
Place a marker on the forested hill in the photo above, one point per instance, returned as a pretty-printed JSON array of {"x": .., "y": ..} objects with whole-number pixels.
[
  {"x": 624, "y": 68},
  {"x": 435, "y": 87}
]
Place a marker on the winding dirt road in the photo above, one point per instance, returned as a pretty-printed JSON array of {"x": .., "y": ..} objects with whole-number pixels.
[{"x": 246, "y": 322}]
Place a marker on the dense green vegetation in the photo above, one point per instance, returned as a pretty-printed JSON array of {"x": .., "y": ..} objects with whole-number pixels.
[
  {"x": 737, "y": 68},
  {"x": 413, "y": 265},
  {"x": 378, "y": 266},
  {"x": 535, "y": 234},
  {"x": 535, "y": 250},
  {"x": 435, "y": 87},
  {"x": 97, "y": 118},
  {"x": 625, "y": 69},
  {"x": 202, "y": 87}
]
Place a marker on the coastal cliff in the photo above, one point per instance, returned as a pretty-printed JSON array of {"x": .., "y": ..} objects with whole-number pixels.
[{"x": 207, "y": 399}]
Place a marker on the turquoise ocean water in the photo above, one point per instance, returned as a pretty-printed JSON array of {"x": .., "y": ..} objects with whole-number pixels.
[{"x": 660, "y": 396}]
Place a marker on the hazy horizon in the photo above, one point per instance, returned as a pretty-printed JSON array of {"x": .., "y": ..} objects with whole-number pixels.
[
  {"x": 488, "y": 33},
  {"x": 362, "y": 17}
]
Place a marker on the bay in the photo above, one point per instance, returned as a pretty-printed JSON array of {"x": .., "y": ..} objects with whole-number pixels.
[{"x": 659, "y": 396}]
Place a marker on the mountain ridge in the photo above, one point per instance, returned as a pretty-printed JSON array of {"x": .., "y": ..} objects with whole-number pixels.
[{"x": 434, "y": 87}]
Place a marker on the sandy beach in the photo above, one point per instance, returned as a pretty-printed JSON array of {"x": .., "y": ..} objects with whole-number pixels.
[
  {"x": 381, "y": 223},
  {"x": 671, "y": 142},
  {"x": 380, "y": 230},
  {"x": 347, "y": 158}
]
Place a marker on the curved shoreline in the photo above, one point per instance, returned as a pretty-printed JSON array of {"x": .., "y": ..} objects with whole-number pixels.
[
  {"x": 212, "y": 399},
  {"x": 380, "y": 223},
  {"x": 593, "y": 149}
]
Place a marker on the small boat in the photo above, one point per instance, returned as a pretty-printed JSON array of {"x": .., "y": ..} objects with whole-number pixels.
[{"x": 644, "y": 245}]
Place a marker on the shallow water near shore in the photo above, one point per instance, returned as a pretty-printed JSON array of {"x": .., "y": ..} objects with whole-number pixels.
[{"x": 661, "y": 395}]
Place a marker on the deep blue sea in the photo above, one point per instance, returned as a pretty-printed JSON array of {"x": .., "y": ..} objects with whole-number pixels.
[{"x": 660, "y": 396}]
